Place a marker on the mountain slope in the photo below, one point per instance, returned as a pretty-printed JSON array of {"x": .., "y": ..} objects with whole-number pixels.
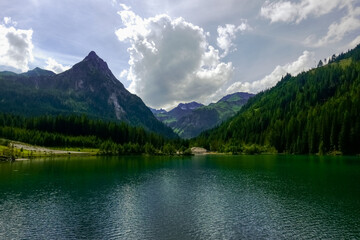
[
  {"x": 184, "y": 109},
  {"x": 190, "y": 119},
  {"x": 314, "y": 112},
  {"x": 37, "y": 72},
  {"x": 157, "y": 111},
  {"x": 172, "y": 117},
  {"x": 207, "y": 117},
  {"x": 89, "y": 87}
]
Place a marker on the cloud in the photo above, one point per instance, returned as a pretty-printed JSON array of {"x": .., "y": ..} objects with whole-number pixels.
[
  {"x": 123, "y": 74},
  {"x": 15, "y": 46},
  {"x": 118, "y": 3},
  {"x": 303, "y": 63},
  {"x": 54, "y": 66},
  {"x": 338, "y": 30},
  {"x": 124, "y": 6},
  {"x": 354, "y": 43},
  {"x": 9, "y": 21},
  {"x": 287, "y": 11},
  {"x": 227, "y": 34},
  {"x": 170, "y": 60}
]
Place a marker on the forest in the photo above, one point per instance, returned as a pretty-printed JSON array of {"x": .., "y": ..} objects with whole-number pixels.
[
  {"x": 314, "y": 112},
  {"x": 111, "y": 138}
]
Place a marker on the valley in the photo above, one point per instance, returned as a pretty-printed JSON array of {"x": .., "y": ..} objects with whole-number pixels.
[
  {"x": 190, "y": 119},
  {"x": 315, "y": 112}
]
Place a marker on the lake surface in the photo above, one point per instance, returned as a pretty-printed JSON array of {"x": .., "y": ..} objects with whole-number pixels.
[{"x": 200, "y": 197}]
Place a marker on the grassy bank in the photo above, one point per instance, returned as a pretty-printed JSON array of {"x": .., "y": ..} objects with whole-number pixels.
[{"x": 12, "y": 150}]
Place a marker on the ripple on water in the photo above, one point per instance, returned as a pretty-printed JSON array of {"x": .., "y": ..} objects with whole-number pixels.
[{"x": 203, "y": 198}]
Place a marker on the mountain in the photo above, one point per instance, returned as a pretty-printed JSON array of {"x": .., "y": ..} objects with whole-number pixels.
[
  {"x": 230, "y": 104},
  {"x": 184, "y": 109},
  {"x": 89, "y": 88},
  {"x": 157, "y": 111},
  {"x": 206, "y": 117},
  {"x": 37, "y": 72},
  {"x": 171, "y": 117},
  {"x": 239, "y": 97},
  {"x": 190, "y": 119},
  {"x": 315, "y": 112}
]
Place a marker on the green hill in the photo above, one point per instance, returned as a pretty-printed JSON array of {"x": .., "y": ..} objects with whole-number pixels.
[{"x": 315, "y": 112}]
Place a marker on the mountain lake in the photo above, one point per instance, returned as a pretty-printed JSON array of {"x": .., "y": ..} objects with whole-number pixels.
[{"x": 198, "y": 197}]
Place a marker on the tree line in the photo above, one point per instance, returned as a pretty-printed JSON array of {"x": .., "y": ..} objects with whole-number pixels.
[
  {"x": 81, "y": 131},
  {"x": 315, "y": 112}
]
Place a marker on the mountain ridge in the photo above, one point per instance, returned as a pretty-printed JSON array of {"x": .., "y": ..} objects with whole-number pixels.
[
  {"x": 36, "y": 72},
  {"x": 89, "y": 87},
  {"x": 190, "y": 119},
  {"x": 315, "y": 112}
]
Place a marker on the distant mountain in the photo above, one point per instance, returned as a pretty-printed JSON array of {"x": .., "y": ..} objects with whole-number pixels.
[
  {"x": 184, "y": 109},
  {"x": 37, "y": 72},
  {"x": 190, "y": 119},
  {"x": 89, "y": 87},
  {"x": 315, "y": 112},
  {"x": 156, "y": 111},
  {"x": 187, "y": 107},
  {"x": 169, "y": 118},
  {"x": 239, "y": 97}
]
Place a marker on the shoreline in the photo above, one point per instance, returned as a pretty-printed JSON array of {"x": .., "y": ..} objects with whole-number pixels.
[{"x": 18, "y": 151}]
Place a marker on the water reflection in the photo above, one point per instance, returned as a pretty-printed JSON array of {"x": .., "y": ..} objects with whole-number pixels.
[{"x": 201, "y": 197}]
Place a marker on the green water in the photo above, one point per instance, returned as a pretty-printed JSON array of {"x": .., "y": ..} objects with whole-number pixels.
[{"x": 200, "y": 197}]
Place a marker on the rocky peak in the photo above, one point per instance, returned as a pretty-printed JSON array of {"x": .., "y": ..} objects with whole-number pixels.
[
  {"x": 157, "y": 111},
  {"x": 189, "y": 106},
  {"x": 92, "y": 56},
  {"x": 95, "y": 62},
  {"x": 90, "y": 75},
  {"x": 183, "y": 109},
  {"x": 92, "y": 68}
]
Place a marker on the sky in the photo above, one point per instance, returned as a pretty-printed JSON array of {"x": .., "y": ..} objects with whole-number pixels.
[{"x": 172, "y": 51}]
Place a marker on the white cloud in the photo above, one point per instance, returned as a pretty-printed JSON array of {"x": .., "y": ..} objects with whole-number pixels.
[
  {"x": 338, "y": 30},
  {"x": 54, "y": 66},
  {"x": 303, "y": 63},
  {"x": 170, "y": 60},
  {"x": 279, "y": 11},
  {"x": 135, "y": 26},
  {"x": 15, "y": 46},
  {"x": 227, "y": 34},
  {"x": 9, "y": 21},
  {"x": 354, "y": 43},
  {"x": 123, "y": 73},
  {"x": 124, "y": 6},
  {"x": 287, "y": 11}
]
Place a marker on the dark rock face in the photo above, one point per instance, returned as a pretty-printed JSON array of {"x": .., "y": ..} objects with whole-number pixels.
[
  {"x": 183, "y": 109},
  {"x": 38, "y": 72},
  {"x": 190, "y": 119},
  {"x": 189, "y": 106},
  {"x": 157, "y": 111},
  {"x": 89, "y": 87}
]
